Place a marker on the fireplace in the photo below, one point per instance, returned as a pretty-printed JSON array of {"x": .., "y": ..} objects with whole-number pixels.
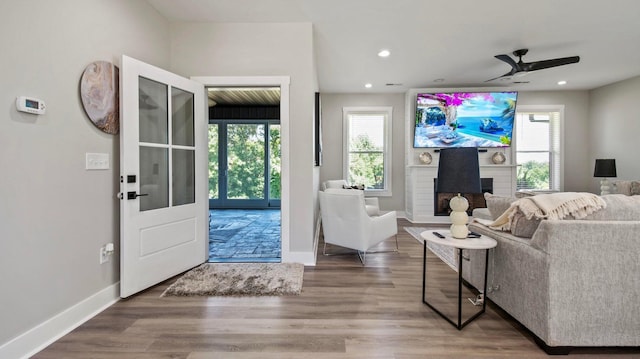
[{"x": 476, "y": 200}]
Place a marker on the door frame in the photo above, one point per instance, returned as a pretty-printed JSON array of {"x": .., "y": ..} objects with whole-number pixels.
[{"x": 268, "y": 81}]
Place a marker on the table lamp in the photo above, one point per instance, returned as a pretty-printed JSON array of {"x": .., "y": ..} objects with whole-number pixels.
[
  {"x": 605, "y": 168},
  {"x": 459, "y": 172}
]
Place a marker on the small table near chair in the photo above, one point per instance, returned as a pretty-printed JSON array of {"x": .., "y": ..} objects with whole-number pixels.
[{"x": 480, "y": 243}]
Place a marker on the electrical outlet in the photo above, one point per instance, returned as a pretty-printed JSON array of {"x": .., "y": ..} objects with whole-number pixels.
[{"x": 104, "y": 254}]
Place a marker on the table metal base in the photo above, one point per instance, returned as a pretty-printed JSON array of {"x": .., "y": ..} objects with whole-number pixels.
[{"x": 459, "y": 324}]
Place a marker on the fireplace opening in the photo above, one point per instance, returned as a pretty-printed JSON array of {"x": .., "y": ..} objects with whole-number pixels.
[{"x": 476, "y": 200}]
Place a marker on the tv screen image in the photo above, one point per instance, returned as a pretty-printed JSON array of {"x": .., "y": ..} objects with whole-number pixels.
[{"x": 464, "y": 119}]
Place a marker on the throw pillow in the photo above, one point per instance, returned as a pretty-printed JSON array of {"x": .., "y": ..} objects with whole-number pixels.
[
  {"x": 635, "y": 188},
  {"x": 523, "y": 227},
  {"x": 497, "y": 204},
  {"x": 360, "y": 187}
]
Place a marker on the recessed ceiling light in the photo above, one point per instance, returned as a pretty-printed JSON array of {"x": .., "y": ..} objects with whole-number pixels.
[
  {"x": 438, "y": 80},
  {"x": 368, "y": 86},
  {"x": 384, "y": 53},
  {"x": 563, "y": 82}
]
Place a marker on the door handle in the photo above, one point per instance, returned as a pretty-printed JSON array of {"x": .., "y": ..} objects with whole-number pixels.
[{"x": 134, "y": 195}]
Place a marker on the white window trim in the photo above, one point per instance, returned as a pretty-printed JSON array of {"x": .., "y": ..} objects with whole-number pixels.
[
  {"x": 555, "y": 177},
  {"x": 387, "y": 111}
]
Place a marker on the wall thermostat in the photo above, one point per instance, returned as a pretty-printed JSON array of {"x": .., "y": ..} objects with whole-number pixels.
[{"x": 30, "y": 105}]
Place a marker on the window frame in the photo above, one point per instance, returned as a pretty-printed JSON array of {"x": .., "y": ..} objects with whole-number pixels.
[
  {"x": 556, "y": 143},
  {"x": 387, "y": 113}
]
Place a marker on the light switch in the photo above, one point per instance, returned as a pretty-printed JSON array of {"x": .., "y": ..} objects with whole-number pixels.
[{"x": 97, "y": 161}]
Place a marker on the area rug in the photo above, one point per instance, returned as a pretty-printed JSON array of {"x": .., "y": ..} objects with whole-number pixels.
[
  {"x": 239, "y": 279},
  {"x": 446, "y": 253}
]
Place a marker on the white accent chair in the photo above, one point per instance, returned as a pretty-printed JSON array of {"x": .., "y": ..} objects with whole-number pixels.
[
  {"x": 345, "y": 222},
  {"x": 371, "y": 203}
]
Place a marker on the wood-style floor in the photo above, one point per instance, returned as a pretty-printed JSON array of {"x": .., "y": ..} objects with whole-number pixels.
[{"x": 345, "y": 311}]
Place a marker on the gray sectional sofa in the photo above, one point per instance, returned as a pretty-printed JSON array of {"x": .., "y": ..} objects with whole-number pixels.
[{"x": 574, "y": 282}]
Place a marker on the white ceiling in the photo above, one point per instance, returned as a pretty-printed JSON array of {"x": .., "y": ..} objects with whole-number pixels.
[{"x": 451, "y": 40}]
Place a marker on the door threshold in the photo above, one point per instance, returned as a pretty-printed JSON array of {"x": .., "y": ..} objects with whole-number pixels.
[{"x": 244, "y": 260}]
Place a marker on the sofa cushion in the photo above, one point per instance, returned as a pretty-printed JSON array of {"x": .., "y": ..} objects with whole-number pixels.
[
  {"x": 629, "y": 188},
  {"x": 620, "y": 207},
  {"x": 497, "y": 204},
  {"x": 523, "y": 227}
]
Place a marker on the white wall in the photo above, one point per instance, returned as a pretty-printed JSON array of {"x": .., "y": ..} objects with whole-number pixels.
[
  {"x": 332, "y": 105},
  {"x": 614, "y": 128},
  {"x": 55, "y": 215},
  {"x": 265, "y": 49}
]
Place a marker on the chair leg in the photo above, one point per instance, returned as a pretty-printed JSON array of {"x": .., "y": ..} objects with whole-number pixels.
[
  {"x": 324, "y": 252},
  {"x": 362, "y": 255},
  {"x": 390, "y": 251}
]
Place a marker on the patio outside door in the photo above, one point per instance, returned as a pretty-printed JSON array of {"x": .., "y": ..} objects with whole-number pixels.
[{"x": 244, "y": 164}]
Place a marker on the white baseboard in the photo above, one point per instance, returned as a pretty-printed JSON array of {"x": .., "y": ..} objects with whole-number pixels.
[
  {"x": 306, "y": 258},
  {"x": 47, "y": 332}
]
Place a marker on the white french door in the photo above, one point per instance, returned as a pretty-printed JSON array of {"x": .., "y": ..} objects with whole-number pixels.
[{"x": 163, "y": 189}]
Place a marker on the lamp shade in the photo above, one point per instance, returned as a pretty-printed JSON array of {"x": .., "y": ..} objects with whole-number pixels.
[
  {"x": 459, "y": 171},
  {"x": 605, "y": 168}
]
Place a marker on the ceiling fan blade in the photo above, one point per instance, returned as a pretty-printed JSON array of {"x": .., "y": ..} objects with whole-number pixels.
[
  {"x": 545, "y": 64},
  {"x": 510, "y": 73},
  {"x": 508, "y": 60}
]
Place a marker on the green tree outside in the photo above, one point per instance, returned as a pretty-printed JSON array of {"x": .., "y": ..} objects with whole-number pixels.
[
  {"x": 213, "y": 161},
  {"x": 245, "y": 148},
  {"x": 533, "y": 175},
  {"x": 366, "y": 163},
  {"x": 245, "y": 161},
  {"x": 275, "y": 164}
]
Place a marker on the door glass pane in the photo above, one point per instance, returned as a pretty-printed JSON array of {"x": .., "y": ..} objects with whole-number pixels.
[
  {"x": 153, "y": 104},
  {"x": 245, "y": 161},
  {"x": 154, "y": 178},
  {"x": 213, "y": 161},
  {"x": 183, "y": 176},
  {"x": 182, "y": 119},
  {"x": 274, "y": 162}
]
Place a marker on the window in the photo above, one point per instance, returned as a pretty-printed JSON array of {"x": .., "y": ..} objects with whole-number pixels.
[
  {"x": 538, "y": 148},
  {"x": 367, "y": 148}
]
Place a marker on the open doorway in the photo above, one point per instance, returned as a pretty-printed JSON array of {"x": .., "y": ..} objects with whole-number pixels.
[{"x": 244, "y": 174}]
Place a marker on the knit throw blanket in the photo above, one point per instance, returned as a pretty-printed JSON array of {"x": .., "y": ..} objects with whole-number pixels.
[{"x": 550, "y": 206}]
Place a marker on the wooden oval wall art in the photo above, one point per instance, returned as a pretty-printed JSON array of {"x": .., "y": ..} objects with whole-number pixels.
[{"x": 99, "y": 94}]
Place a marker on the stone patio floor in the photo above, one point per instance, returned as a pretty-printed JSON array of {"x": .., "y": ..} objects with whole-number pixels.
[{"x": 244, "y": 235}]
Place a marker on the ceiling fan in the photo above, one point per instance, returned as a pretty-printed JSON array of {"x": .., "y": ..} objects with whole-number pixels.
[{"x": 521, "y": 68}]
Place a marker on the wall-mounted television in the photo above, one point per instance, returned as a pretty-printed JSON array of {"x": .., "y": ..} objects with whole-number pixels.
[{"x": 464, "y": 119}]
